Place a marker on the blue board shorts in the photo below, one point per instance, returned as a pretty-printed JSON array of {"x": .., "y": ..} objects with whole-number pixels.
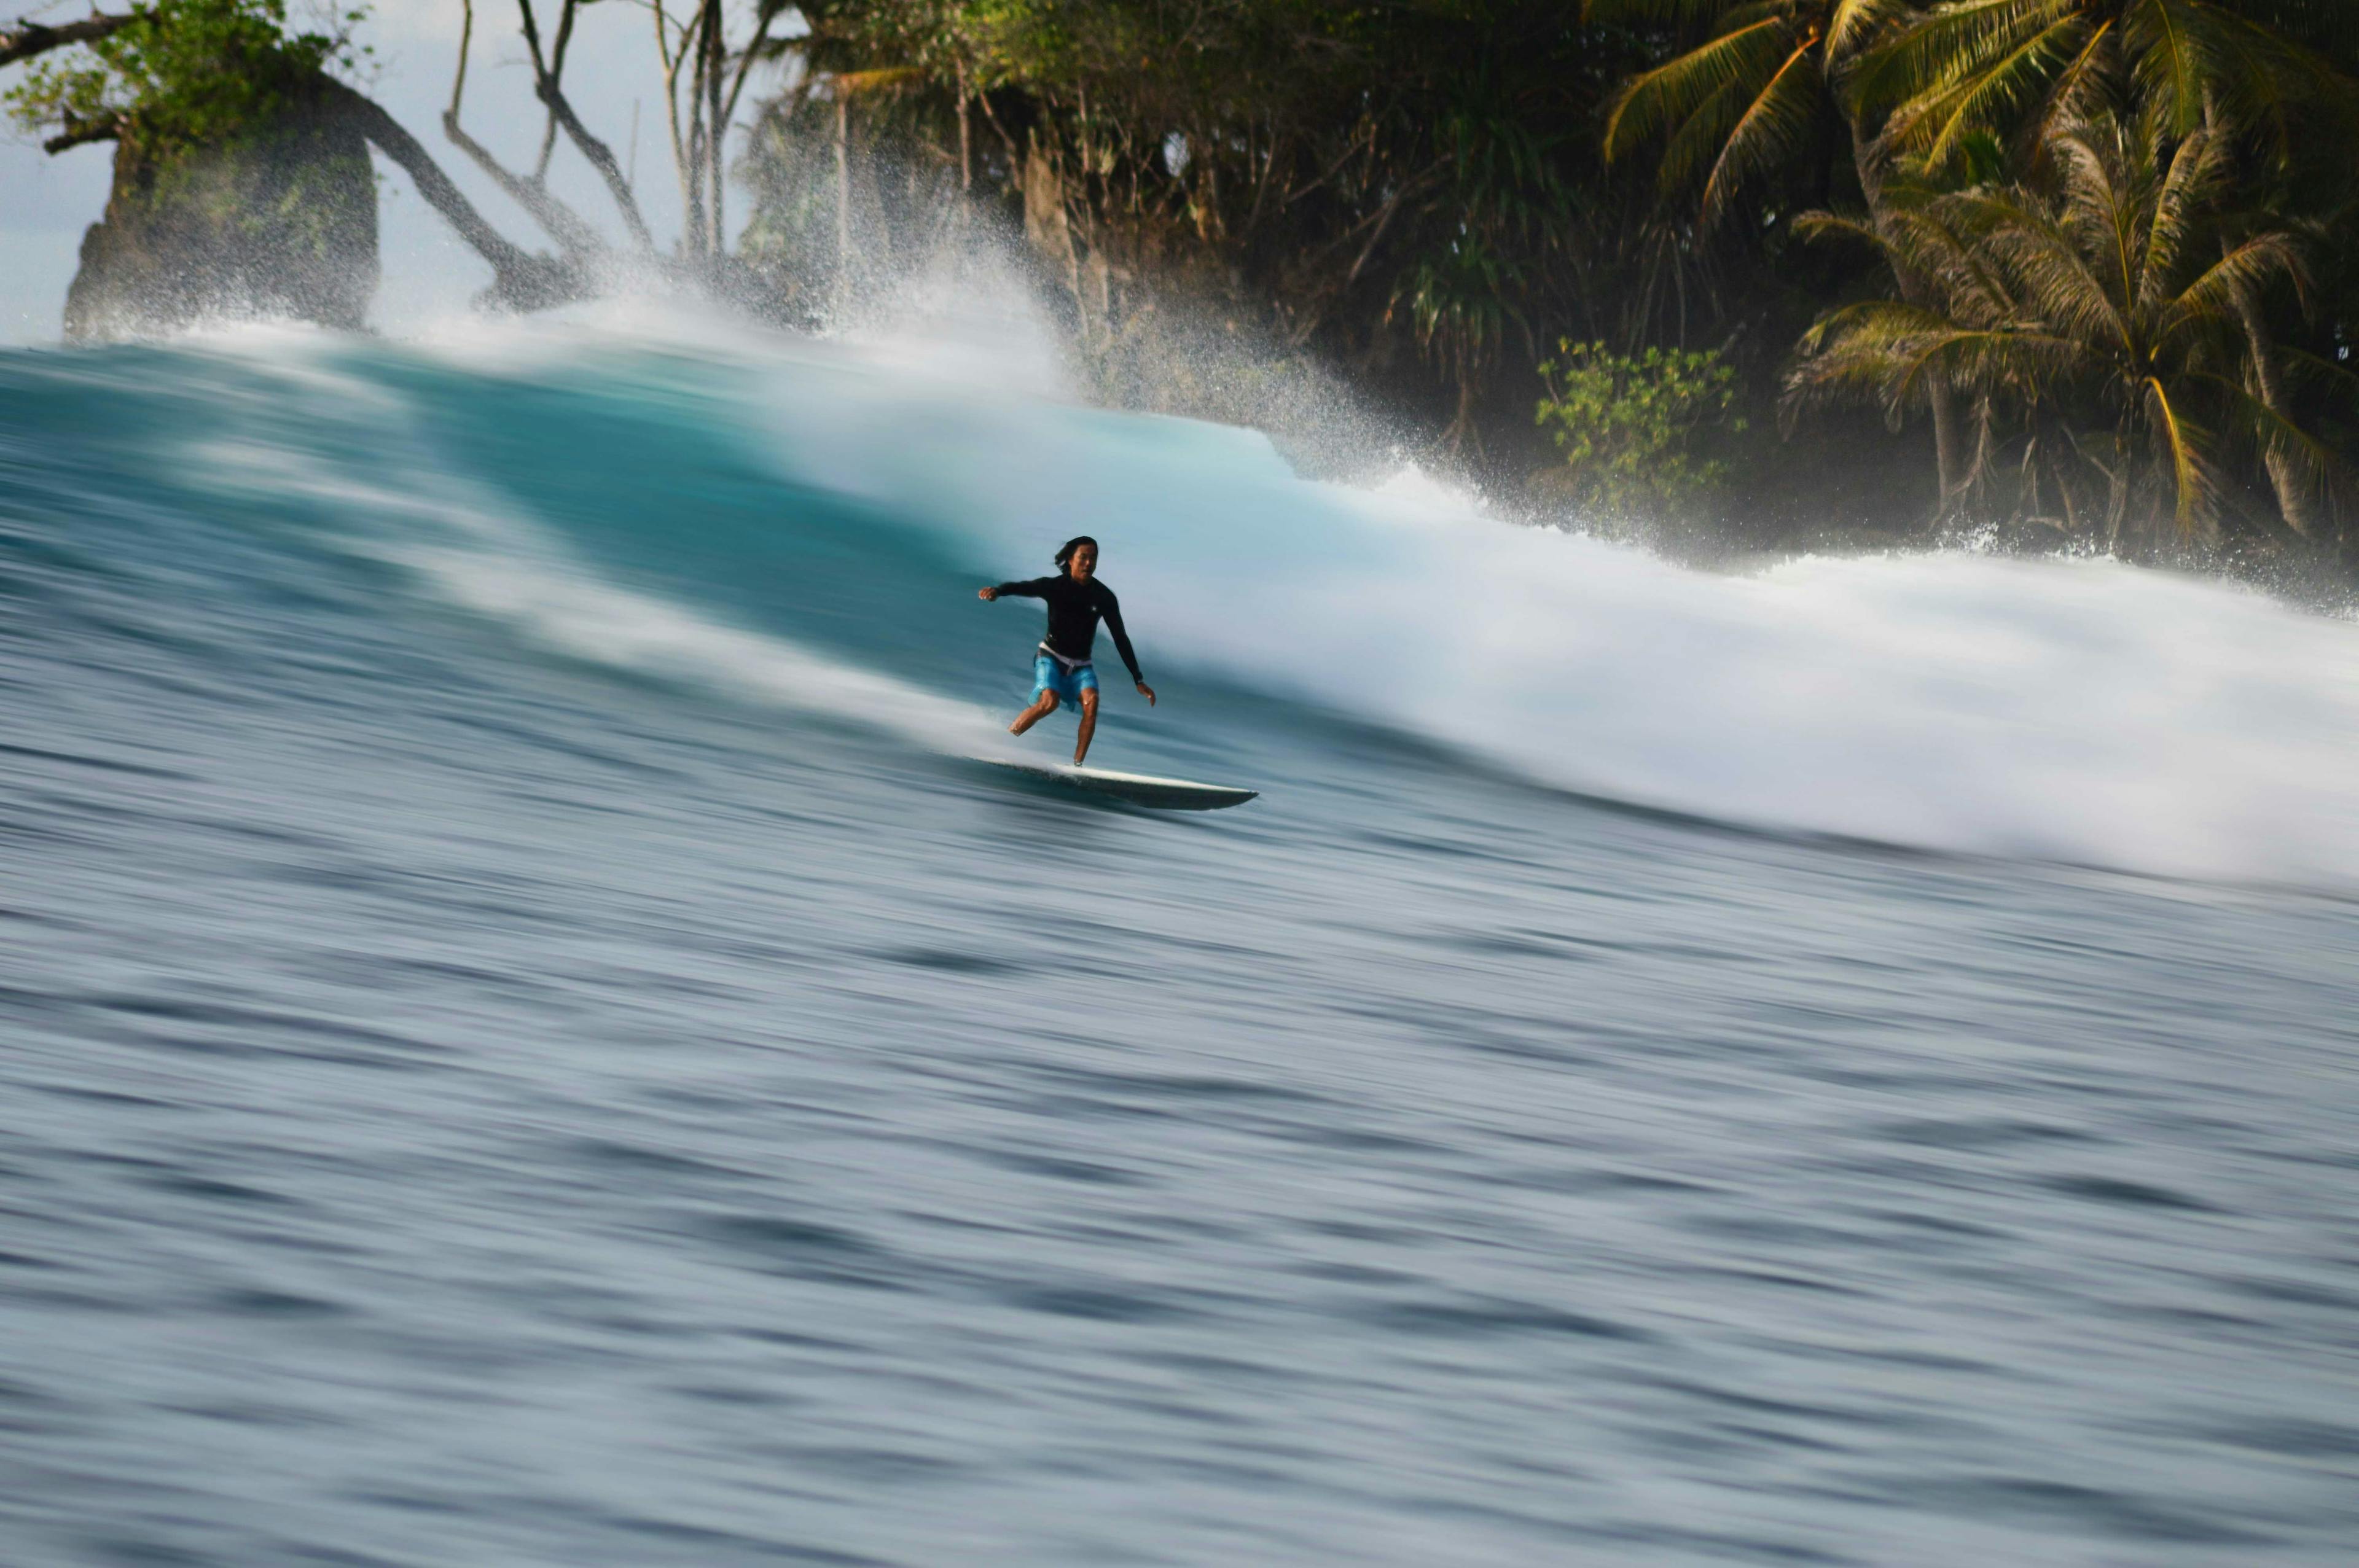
[{"x": 1050, "y": 675}]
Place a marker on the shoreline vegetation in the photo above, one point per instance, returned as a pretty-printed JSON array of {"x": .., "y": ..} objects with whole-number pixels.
[{"x": 1731, "y": 275}]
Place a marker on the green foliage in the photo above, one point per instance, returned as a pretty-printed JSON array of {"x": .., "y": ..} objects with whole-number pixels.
[
  {"x": 1946, "y": 70},
  {"x": 1750, "y": 99},
  {"x": 2101, "y": 326},
  {"x": 1632, "y": 426},
  {"x": 1417, "y": 190},
  {"x": 1417, "y": 177},
  {"x": 190, "y": 73}
]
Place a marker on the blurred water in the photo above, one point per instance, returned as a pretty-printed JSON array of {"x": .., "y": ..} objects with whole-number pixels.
[{"x": 524, "y": 1044}]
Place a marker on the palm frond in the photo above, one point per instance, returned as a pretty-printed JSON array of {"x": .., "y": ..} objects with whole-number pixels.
[
  {"x": 2338, "y": 382},
  {"x": 2190, "y": 189},
  {"x": 1654, "y": 101},
  {"x": 2171, "y": 59},
  {"x": 1853, "y": 24},
  {"x": 2101, "y": 214},
  {"x": 2078, "y": 93},
  {"x": 1839, "y": 225},
  {"x": 1949, "y": 45},
  {"x": 2315, "y": 464},
  {"x": 2243, "y": 273},
  {"x": 2192, "y": 482},
  {"x": 1698, "y": 142},
  {"x": 2028, "y": 76},
  {"x": 1774, "y": 126},
  {"x": 2058, "y": 281}
]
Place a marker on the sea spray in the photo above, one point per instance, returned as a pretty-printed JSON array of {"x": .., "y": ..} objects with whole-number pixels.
[{"x": 2072, "y": 710}]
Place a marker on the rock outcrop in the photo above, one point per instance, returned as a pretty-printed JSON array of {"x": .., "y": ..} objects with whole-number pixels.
[{"x": 280, "y": 222}]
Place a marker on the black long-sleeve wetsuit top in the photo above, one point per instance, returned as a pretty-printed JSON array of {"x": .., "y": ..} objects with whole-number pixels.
[{"x": 1073, "y": 612}]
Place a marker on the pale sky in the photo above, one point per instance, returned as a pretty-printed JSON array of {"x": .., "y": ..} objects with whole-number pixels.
[{"x": 46, "y": 202}]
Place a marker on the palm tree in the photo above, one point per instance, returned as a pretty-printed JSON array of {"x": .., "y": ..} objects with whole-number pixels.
[
  {"x": 1747, "y": 100},
  {"x": 1751, "y": 97},
  {"x": 2098, "y": 325},
  {"x": 2280, "y": 74},
  {"x": 2028, "y": 66}
]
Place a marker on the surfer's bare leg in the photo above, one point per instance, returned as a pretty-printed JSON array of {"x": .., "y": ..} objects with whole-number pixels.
[
  {"x": 1088, "y": 723},
  {"x": 1040, "y": 709}
]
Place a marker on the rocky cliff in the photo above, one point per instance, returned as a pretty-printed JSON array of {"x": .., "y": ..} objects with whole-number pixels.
[{"x": 280, "y": 222}]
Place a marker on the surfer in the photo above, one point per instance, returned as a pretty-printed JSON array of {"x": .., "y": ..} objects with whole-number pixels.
[{"x": 1062, "y": 671}]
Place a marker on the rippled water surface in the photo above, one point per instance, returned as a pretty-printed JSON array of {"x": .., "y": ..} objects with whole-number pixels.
[{"x": 523, "y": 1042}]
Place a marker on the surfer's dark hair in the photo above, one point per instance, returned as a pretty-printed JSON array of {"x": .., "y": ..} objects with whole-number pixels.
[{"x": 1065, "y": 551}]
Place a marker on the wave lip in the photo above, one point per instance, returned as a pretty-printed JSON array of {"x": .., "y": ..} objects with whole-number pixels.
[
  {"x": 2078, "y": 710},
  {"x": 2070, "y": 711}
]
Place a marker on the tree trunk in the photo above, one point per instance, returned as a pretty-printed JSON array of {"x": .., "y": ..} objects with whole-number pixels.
[
  {"x": 556, "y": 77},
  {"x": 2293, "y": 492},
  {"x": 680, "y": 145},
  {"x": 1949, "y": 432},
  {"x": 601, "y": 156},
  {"x": 966, "y": 135},
  {"x": 1949, "y": 443},
  {"x": 560, "y": 222},
  {"x": 694, "y": 231},
  {"x": 716, "y": 141}
]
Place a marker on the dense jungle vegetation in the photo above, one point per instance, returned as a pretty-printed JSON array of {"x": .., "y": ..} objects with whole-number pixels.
[
  {"x": 2095, "y": 256},
  {"x": 1687, "y": 263}
]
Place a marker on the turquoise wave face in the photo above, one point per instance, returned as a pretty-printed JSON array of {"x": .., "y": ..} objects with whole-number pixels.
[
  {"x": 805, "y": 524},
  {"x": 524, "y": 1044}
]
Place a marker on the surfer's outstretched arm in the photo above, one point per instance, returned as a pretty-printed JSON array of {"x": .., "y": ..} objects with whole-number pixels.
[{"x": 1122, "y": 645}]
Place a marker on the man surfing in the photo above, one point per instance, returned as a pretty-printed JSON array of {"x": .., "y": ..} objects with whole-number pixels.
[{"x": 1062, "y": 671}]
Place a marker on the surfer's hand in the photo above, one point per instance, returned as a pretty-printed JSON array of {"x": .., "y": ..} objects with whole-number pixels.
[
  {"x": 987, "y": 593},
  {"x": 1148, "y": 692}
]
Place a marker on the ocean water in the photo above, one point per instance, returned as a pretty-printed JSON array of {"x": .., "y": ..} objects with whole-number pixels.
[{"x": 525, "y": 1039}]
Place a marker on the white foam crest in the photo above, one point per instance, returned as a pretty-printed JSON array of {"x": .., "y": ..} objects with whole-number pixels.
[
  {"x": 2077, "y": 710},
  {"x": 565, "y": 338},
  {"x": 967, "y": 319},
  {"x": 576, "y": 614}
]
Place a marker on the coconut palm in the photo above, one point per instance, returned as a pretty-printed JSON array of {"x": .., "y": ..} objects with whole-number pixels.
[
  {"x": 1751, "y": 98},
  {"x": 1754, "y": 96},
  {"x": 2097, "y": 325},
  {"x": 2027, "y": 66}
]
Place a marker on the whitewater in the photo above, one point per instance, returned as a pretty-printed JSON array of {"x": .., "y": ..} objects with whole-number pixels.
[{"x": 527, "y": 1039}]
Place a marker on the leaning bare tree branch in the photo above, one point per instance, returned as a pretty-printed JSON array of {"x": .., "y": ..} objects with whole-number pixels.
[
  {"x": 466, "y": 41},
  {"x": 601, "y": 156},
  {"x": 556, "y": 77},
  {"x": 562, "y": 223},
  {"x": 520, "y": 280},
  {"x": 29, "y": 38},
  {"x": 79, "y": 132},
  {"x": 746, "y": 61}
]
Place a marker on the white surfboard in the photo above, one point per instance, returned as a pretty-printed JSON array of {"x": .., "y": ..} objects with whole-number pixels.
[{"x": 1138, "y": 789}]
